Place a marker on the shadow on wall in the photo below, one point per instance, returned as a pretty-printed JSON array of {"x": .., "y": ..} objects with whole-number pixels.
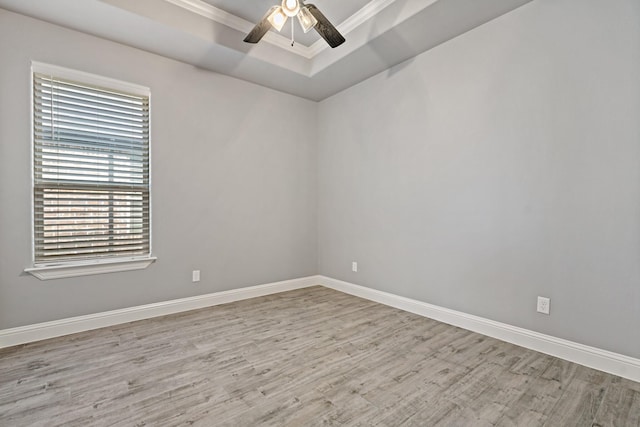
[
  {"x": 437, "y": 23},
  {"x": 390, "y": 47}
]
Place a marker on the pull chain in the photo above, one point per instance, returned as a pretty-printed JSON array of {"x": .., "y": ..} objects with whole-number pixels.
[{"x": 292, "y": 31}]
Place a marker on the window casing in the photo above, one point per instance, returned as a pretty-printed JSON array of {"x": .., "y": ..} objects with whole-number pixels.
[{"x": 91, "y": 186}]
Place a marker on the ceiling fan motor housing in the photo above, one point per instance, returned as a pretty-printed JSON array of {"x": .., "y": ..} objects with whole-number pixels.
[{"x": 290, "y": 7}]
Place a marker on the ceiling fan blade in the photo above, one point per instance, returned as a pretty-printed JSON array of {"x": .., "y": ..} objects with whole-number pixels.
[
  {"x": 326, "y": 28},
  {"x": 261, "y": 28}
]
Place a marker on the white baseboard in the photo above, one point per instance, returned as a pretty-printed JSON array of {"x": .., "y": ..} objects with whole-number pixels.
[
  {"x": 56, "y": 328},
  {"x": 603, "y": 360}
]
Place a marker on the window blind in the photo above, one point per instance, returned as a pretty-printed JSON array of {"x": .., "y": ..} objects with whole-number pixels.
[{"x": 91, "y": 172}]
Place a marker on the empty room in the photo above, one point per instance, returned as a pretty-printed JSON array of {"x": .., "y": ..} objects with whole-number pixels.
[{"x": 347, "y": 213}]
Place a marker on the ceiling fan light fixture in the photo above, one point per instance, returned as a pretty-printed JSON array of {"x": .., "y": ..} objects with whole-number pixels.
[
  {"x": 306, "y": 19},
  {"x": 308, "y": 15},
  {"x": 277, "y": 19},
  {"x": 290, "y": 7}
]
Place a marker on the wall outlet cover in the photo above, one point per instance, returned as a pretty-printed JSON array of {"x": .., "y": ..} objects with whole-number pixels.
[{"x": 543, "y": 305}]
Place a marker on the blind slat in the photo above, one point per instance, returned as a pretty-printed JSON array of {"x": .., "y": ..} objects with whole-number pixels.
[
  {"x": 95, "y": 238},
  {"x": 87, "y": 113},
  {"x": 87, "y": 110},
  {"x": 59, "y": 130},
  {"x": 53, "y": 90},
  {"x": 63, "y": 229},
  {"x": 94, "y": 253},
  {"x": 75, "y": 87},
  {"x": 93, "y": 245},
  {"x": 74, "y": 124},
  {"x": 83, "y": 167},
  {"x": 133, "y": 127}
]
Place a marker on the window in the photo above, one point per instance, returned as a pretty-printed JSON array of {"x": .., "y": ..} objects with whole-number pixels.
[{"x": 90, "y": 174}]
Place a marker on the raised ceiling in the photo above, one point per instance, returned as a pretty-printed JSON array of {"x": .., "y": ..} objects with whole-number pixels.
[
  {"x": 208, "y": 34},
  {"x": 253, "y": 11}
]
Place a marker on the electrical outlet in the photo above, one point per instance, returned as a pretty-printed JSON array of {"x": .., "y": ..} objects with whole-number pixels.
[
  {"x": 354, "y": 267},
  {"x": 543, "y": 305},
  {"x": 195, "y": 276}
]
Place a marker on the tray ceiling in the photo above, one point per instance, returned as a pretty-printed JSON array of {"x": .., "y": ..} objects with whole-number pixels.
[
  {"x": 209, "y": 33},
  {"x": 253, "y": 10}
]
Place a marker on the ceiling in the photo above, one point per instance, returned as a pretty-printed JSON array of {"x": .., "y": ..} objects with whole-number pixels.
[
  {"x": 209, "y": 33},
  {"x": 254, "y": 10}
]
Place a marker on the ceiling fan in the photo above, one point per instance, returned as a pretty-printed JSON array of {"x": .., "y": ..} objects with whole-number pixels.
[{"x": 308, "y": 15}]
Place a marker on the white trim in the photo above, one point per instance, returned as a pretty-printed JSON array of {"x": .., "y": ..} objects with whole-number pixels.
[
  {"x": 150, "y": 176},
  {"x": 220, "y": 16},
  {"x": 367, "y": 12},
  {"x": 202, "y": 8},
  {"x": 32, "y": 165},
  {"x": 56, "y": 328},
  {"x": 75, "y": 269},
  {"x": 603, "y": 360},
  {"x": 216, "y": 14},
  {"x": 89, "y": 78},
  {"x": 96, "y": 266}
]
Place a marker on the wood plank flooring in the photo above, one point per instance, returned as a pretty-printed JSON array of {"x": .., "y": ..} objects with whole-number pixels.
[{"x": 302, "y": 358}]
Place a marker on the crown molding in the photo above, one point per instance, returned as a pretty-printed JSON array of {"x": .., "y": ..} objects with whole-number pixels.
[
  {"x": 208, "y": 11},
  {"x": 370, "y": 10},
  {"x": 232, "y": 21},
  {"x": 309, "y": 52}
]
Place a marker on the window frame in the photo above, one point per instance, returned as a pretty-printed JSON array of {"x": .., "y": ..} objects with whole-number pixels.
[{"x": 73, "y": 268}]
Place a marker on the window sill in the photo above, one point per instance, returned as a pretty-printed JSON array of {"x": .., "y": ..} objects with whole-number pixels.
[{"x": 62, "y": 271}]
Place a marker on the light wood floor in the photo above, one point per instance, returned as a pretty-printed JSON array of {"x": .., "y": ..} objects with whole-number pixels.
[{"x": 302, "y": 358}]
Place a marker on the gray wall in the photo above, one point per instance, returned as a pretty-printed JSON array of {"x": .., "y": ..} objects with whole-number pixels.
[
  {"x": 233, "y": 192},
  {"x": 496, "y": 167},
  {"x": 499, "y": 166}
]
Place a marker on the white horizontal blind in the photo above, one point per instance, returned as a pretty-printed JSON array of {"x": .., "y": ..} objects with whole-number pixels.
[{"x": 91, "y": 172}]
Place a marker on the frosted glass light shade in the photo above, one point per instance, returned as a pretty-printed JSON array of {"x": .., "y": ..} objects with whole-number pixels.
[
  {"x": 306, "y": 19},
  {"x": 277, "y": 19},
  {"x": 290, "y": 7}
]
